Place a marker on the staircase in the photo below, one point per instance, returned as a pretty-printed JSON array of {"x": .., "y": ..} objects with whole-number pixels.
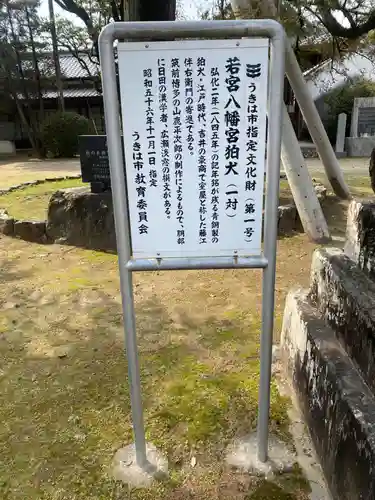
[{"x": 328, "y": 351}]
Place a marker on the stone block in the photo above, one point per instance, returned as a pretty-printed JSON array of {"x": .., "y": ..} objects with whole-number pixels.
[
  {"x": 360, "y": 146},
  {"x": 81, "y": 218},
  {"x": 29, "y": 183},
  {"x": 34, "y": 231},
  {"x": 360, "y": 235},
  {"x": 321, "y": 192},
  {"x": 7, "y": 148},
  {"x": 345, "y": 297},
  {"x": 6, "y": 223},
  {"x": 73, "y": 176},
  {"x": 338, "y": 407},
  {"x": 288, "y": 219}
]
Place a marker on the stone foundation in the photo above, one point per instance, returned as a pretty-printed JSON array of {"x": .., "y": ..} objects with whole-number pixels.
[
  {"x": 338, "y": 407},
  {"x": 328, "y": 351}
]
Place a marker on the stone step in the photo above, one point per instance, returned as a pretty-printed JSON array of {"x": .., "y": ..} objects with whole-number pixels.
[
  {"x": 360, "y": 235},
  {"x": 345, "y": 297},
  {"x": 338, "y": 407}
]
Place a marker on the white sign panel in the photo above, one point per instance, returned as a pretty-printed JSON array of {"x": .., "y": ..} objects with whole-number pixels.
[{"x": 194, "y": 126}]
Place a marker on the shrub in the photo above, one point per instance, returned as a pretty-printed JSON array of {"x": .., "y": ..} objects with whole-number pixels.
[
  {"x": 60, "y": 133},
  {"x": 341, "y": 100}
]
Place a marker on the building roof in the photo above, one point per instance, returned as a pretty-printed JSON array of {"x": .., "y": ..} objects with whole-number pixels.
[
  {"x": 72, "y": 67},
  {"x": 53, "y": 94},
  {"x": 68, "y": 93}
]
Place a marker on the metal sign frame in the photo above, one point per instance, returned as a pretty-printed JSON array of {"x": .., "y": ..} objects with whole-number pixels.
[{"x": 170, "y": 30}]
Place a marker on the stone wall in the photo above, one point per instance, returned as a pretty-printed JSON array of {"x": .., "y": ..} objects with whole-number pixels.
[{"x": 81, "y": 218}]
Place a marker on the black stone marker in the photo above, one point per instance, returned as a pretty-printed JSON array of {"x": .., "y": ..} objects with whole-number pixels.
[{"x": 93, "y": 153}]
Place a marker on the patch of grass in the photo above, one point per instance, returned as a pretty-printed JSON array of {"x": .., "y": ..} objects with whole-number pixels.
[
  {"x": 288, "y": 486},
  {"x": 32, "y": 203},
  {"x": 270, "y": 491}
]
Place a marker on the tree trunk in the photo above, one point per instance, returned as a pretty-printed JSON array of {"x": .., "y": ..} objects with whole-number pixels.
[
  {"x": 40, "y": 147},
  {"x": 56, "y": 59},
  {"x": 148, "y": 10},
  {"x": 157, "y": 10}
]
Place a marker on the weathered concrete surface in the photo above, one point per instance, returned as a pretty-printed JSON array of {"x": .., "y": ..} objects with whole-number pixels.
[
  {"x": 126, "y": 469},
  {"x": 34, "y": 231},
  {"x": 81, "y": 218},
  {"x": 242, "y": 454},
  {"x": 360, "y": 235},
  {"x": 345, "y": 297},
  {"x": 338, "y": 406}
]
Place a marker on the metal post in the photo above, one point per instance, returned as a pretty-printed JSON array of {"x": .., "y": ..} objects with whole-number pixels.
[
  {"x": 120, "y": 208},
  {"x": 207, "y": 29},
  {"x": 270, "y": 243}
]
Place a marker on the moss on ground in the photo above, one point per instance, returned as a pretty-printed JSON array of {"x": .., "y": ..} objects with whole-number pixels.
[
  {"x": 64, "y": 397},
  {"x": 32, "y": 203}
]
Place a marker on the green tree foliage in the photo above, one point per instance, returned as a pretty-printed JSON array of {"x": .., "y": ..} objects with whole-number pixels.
[{"x": 60, "y": 133}]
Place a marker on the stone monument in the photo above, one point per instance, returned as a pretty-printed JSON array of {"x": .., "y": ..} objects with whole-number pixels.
[{"x": 362, "y": 129}]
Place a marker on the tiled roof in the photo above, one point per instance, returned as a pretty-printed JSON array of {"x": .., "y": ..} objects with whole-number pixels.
[
  {"x": 52, "y": 94},
  {"x": 71, "y": 66},
  {"x": 68, "y": 93}
]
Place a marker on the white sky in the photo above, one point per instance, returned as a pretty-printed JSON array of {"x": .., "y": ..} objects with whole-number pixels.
[{"x": 190, "y": 9}]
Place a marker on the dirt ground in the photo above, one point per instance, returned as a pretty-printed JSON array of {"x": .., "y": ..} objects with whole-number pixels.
[
  {"x": 23, "y": 169},
  {"x": 64, "y": 402}
]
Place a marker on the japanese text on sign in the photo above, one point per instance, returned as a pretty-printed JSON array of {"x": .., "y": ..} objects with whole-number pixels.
[{"x": 194, "y": 125}]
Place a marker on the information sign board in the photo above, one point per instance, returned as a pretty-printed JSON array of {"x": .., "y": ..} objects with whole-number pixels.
[{"x": 194, "y": 131}]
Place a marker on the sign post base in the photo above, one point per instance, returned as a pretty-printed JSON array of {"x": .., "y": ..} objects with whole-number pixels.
[
  {"x": 243, "y": 454},
  {"x": 126, "y": 469}
]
